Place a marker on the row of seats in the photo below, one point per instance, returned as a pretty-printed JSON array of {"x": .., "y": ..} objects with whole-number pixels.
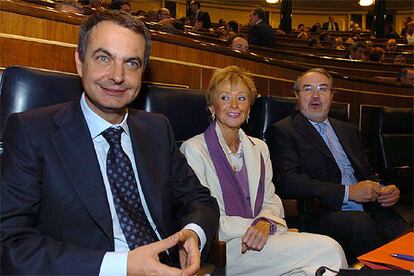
[{"x": 388, "y": 132}]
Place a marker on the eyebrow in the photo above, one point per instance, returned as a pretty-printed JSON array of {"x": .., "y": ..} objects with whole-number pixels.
[
  {"x": 106, "y": 52},
  {"x": 322, "y": 84}
]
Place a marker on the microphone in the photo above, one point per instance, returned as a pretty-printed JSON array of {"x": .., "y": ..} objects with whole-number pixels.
[{"x": 321, "y": 270}]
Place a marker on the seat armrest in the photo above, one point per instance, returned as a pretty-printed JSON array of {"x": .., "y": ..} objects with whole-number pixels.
[{"x": 217, "y": 253}]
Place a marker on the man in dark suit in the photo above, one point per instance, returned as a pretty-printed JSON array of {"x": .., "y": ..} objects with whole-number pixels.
[
  {"x": 331, "y": 25},
  {"x": 91, "y": 187},
  {"x": 316, "y": 156},
  {"x": 260, "y": 33},
  {"x": 199, "y": 19}
]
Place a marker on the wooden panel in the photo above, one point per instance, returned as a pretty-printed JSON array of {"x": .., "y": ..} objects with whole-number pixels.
[
  {"x": 36, "y": 54},
  {"x": 30, "y": 26}
]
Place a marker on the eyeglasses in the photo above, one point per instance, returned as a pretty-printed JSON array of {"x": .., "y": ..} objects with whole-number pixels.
[{"x": 321, "y": 89}]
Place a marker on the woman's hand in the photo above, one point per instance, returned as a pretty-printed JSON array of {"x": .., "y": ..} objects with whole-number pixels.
[{"x": 256, "y": 236}]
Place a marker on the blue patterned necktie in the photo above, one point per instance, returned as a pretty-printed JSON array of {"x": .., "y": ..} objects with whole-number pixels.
[
  {"x": 348, "y": 177},
  {"x": 134, "y": 223}
]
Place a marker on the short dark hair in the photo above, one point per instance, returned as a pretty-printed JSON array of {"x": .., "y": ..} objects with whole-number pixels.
[
  {"x": 233, "y": 25},
  {"x": 117, "y": 4},
  {"x": 195, "y": 2},
  {"x": 375, "y": 54},
  {"x": 260, "y": 13},
  {"x": 120, "y": 18}
]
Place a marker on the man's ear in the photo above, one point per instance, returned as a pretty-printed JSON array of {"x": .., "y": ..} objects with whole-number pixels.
[
  {"x": 296, "y": 95},
  {"x": 79, "y": 63}
]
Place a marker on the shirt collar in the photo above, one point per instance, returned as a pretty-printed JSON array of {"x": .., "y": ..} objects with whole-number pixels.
[{"x": 97, "y": 124}]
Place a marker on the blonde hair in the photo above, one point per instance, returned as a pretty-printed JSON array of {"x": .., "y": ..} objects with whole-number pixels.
[{"x": 232, "y": 74}]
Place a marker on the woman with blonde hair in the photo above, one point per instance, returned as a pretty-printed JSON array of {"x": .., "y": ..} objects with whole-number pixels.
[{"x": 237, "y": 170}]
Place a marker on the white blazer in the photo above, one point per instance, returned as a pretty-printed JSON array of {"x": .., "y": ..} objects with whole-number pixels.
[{"x": 198, "y": 157}]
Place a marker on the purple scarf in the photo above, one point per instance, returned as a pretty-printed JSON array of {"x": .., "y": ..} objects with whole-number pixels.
[{"x": 235, "y": 203}]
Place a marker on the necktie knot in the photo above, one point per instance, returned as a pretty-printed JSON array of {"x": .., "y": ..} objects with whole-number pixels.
[
  {"x": 113, "y": 135},
  {"x": 321, "y": 127}
]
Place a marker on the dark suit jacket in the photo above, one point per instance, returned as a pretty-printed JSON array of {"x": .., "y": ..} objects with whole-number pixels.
[
  {"x": 55, "y": 217},
  {"x": 262, "y": 34},
  {"x": 304, "y": 166},
  {"x": 325, "y": 26},
  {"x": 203, "y": 17}
]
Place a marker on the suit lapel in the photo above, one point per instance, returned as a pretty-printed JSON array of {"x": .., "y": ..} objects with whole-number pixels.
[
  {"x": 305, "y": 128},
  {"x": 146, "y": 159},
  {"x": 251, "y": 159},
  {"x": 75, "y": 148}
]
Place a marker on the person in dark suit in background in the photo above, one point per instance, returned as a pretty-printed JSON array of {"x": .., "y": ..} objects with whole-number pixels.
[
  {"x": 91, "y": 187},
  {"x": 331, "y": 25},
  {"x": 260, "y": 33},
  {"x": 199, "y": 19},
  {"x": 317, "y": 156}
]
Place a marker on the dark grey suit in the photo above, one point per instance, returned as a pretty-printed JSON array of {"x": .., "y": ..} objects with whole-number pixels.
[
  {"x": 262, "y": 34},
  {"x": 304, "y": 167},
  {"x": 55, "y": 217}
]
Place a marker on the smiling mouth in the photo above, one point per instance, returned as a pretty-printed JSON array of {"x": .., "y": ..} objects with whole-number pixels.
[
  {"x": 114, "y": 90},
  {"x": 233, "y": 115}
]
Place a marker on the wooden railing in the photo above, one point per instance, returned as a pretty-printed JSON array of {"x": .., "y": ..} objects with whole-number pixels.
[{"x": 42, "y": 38}]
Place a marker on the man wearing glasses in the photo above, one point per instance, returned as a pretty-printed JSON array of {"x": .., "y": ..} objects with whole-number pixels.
[{"x": 315, "y": 156}]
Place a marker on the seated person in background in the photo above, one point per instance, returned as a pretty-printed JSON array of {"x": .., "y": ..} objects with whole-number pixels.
[
  {"x": 376, "y": 54},
  {"x": 407, "y": 20},
  {"x": 321, "y": 157},
  {"x": 338, "y": 44},
  {"x": 331, "y": 25},
  {"x": 232, "y": 29},
  {"x": 316, "y": 28},
  {"x": 301, "y": 27},
  {"x": 115, "y": 206},
  {"x": 357, "y": 51},
  {"x": 406, "y": 75},
  {"x": 167, "y": 23},
  {"x": 93, "y": 7},
  {"x": 260, "y": 32},
  {"x": 400, "y": 59},
  {"x": 238, "y": 171},
  {"x": 325, "y": 37},
  {"x": 389, "y": 32},
  {"x": 239, "y": 43},
  {"x": 199, "y": 19},
  {"x": 409, "y": 36},
  {"x": 314, "y": 43},
  {"x": 121, "y": 5},
  {"x": 69, "y": 7},
  {"x": 305, "y": 34},
  {"x": 222, "y": 24},
  {"x": 391, "y": 45}
]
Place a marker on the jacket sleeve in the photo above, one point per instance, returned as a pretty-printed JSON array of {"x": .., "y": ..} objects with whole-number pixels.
[{"x": 24, "y": 249}]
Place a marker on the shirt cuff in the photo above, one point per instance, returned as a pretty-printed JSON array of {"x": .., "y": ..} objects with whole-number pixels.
[
  {"x": 114, "y": 263},
  {"x": 346, "y": 195},
  {"x": 200, "y": 233},
  {"x": 273, "y": 224}
]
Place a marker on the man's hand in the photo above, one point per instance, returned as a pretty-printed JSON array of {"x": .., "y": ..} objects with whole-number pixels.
[
  {"x": 189, "y": 251},
  {"x": 365, "y": 191},
  {"x": 389, "y": 196},
  {"x": 198, "y": 25},
  {"x": 256, "y": 236},
  {"x": 144, "y": 259}
]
